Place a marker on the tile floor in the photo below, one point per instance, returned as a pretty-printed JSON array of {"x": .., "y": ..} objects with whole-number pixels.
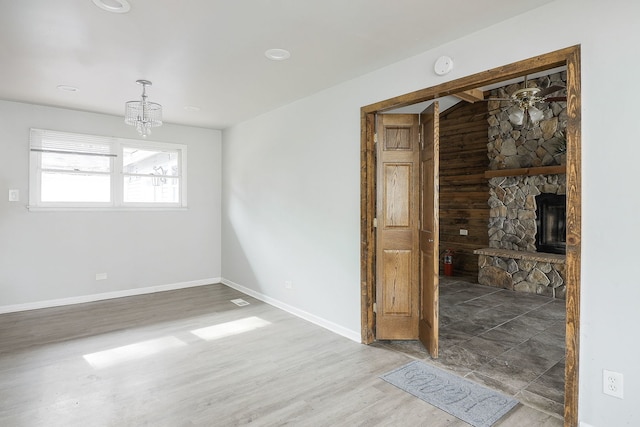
[{"x": 506, "y": 340}]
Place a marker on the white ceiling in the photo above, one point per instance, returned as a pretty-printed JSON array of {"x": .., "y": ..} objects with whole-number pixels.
[{"x": 210, "y": 53}]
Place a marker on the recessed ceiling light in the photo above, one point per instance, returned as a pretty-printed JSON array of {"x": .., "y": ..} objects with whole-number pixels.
[
  {"x": 67, "y": 88},
  {"x": 191, "y": 108},
  {"x": 277, "y": 54},
  {"x": 115, "y": 6}
]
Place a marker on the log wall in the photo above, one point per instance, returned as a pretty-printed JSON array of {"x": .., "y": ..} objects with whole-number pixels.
[{"x": 464, "y": 190}]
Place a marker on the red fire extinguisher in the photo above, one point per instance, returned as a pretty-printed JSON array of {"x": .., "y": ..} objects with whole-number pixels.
[{"x": 448, "y": 262}]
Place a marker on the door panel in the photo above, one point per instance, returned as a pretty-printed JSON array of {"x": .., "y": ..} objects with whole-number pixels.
[
  {"x": 397, "y": 210},
  {"x": 398, "y": 268},
  {"x": 397, "y": 193},
  {"x": 429, "y": 229}
]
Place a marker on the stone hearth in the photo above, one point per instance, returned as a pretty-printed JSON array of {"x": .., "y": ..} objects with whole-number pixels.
[{"x": 537, "y": 273}]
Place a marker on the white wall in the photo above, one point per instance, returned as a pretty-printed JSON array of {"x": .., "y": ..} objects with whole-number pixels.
[
  {"x": 291, "y": 199},
  {"x": 291, "y": 195},
  {"x": 47, "y": 256}
]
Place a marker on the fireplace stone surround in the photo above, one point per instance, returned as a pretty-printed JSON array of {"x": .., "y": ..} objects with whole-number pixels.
[{"x": 512, "y": 260}]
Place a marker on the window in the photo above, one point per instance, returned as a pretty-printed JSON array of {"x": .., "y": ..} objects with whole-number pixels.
[
  {"x": 150, "y": 175},
  {"x": 85, "y": 171}
]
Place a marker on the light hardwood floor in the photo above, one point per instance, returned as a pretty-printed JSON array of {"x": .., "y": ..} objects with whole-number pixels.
[{"x": 173, "y": 359}]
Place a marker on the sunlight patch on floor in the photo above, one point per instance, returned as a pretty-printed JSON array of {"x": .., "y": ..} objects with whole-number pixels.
[
  {"x": 230, "y": 328},
  {"x": 114, "y": 356}
]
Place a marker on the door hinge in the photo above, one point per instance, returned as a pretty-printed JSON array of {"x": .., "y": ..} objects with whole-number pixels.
[
  {"x": 375, "y": 307},
  {"x": 375, "y": 138},
  {"x": 375, "y": 222}
]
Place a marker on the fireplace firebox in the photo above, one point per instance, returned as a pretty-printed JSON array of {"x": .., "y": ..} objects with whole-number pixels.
[{"x": 551, "y": 223}]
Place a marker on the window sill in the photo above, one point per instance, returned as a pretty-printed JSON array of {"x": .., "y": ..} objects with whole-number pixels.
[{"x": 105, "y": 209}]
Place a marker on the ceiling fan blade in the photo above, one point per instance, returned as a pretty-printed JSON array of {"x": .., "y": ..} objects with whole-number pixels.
[
  {"x": 549, "y": 91},
  {"x": 497, "y": 99},
  {"x": 555, "y": 99}
]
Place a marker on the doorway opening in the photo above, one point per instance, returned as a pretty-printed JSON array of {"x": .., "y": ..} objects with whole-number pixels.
[{"x": 569, "y": 57}]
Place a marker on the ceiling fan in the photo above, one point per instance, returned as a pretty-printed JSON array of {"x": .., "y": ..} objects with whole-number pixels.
[{"x": 526, "y": 99}]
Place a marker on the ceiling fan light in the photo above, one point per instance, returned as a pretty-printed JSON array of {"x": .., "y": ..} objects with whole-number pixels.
[
  {"x": 535, "y": 114},
  {"x": 517, "y": 117}
]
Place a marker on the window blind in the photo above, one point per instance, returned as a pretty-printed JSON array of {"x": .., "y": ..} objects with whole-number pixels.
[{"x": 49, "y": 141}]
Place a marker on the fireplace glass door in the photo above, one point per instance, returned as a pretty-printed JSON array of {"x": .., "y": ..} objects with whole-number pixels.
[{"x": 551, "y": 214}]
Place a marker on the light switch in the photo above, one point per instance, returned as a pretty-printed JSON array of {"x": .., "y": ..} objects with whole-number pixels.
[{"x": 14, "y": 195}]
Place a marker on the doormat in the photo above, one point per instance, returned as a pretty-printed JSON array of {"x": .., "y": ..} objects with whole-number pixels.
[{"x": 466, "y": 400}]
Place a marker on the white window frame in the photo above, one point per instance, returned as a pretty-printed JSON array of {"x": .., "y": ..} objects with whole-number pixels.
[{"x": 114, "y": 148}]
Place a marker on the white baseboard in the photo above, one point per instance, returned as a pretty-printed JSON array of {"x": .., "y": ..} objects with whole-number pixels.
[
  {"x": 106, "y": 295},
  {"x": 333, "y": 327}
]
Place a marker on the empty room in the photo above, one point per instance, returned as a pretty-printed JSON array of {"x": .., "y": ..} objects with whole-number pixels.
[{"x": 285, "y": 212}]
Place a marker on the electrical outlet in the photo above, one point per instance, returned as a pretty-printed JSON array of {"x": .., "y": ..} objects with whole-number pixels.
[
  {"x": 101, "y": 276},
  {"x": 612, "y": 384},
  {"x": 464, "y": 232},
  {"x": 288, "y": 284}
]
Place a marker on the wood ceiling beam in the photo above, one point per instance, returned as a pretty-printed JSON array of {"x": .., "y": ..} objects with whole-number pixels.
[{"x": 471, "y": 95}]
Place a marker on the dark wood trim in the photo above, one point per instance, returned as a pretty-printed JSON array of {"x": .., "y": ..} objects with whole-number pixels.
[
  {"x": 367, "y": 240},
  {"x": 495, "y": 75},
  {"x": 571, "y": 58},
  {"x": 574, "y": 237}
]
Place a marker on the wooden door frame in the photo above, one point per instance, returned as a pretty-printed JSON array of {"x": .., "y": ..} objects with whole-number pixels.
[{"x": 569, "y": 57}]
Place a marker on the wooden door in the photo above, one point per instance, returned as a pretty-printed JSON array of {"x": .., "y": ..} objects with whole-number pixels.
[
  {"x": 429, "y": 229},
  {"x": 397, "y": 215}
]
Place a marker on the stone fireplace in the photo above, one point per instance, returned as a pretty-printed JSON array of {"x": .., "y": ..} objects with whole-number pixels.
[{"x": 527, "y": 187}]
